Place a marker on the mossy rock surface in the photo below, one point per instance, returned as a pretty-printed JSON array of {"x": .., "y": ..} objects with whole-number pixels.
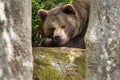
[{"x": 59, "y": 63}]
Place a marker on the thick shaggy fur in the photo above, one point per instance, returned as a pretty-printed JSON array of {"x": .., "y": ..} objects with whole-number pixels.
[{"x": 65, "y": 25}]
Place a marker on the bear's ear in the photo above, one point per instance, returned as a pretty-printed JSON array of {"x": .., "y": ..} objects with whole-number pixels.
[
  {"x": 69, "y": 9},
  {"x": 43, "y": 14}
]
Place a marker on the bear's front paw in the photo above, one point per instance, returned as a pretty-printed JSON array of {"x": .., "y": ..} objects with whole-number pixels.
[{"x": 47, "y": 42}]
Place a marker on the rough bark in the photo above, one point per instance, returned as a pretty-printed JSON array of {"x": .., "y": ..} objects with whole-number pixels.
[
  {"x": 103, "y": 41},
  {"x": 15, "y": 40}
]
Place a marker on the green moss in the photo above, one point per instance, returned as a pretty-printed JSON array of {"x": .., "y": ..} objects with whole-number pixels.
[
  {"x": 47, "y": 73},
  {"x": 80, "y": 61},
  {"x": 44, "y": 71},
  {"x": 51, "y": 54}
]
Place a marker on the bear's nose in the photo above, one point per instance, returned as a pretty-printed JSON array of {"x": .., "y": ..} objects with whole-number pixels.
[{"x": 57, "y": 38}]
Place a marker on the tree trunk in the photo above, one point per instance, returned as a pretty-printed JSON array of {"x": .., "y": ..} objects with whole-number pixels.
[
  {"x": 103, "y": 41},
  {"x": 15, "y": 40}
]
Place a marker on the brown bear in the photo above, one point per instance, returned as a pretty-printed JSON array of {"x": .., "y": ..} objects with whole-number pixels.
[{"x": 65, "y": 25}]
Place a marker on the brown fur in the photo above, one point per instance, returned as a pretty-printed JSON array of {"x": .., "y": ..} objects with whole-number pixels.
[{"x": 66, "y": 25}]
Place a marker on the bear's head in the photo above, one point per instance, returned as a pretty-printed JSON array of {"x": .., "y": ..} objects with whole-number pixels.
[{"x": 61, "y": 23}]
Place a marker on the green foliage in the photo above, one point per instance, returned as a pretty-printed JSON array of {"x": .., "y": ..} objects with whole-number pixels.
[
  {"x": 36, "y": 22},
  {"x": 42, "y": 67}
]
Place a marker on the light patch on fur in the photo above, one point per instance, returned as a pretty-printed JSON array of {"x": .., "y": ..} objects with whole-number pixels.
[
  {"x": 9, "y": 46},
  {"x": 70, "y": 19},
  {"x": 55, "y": 24},
  {"x": 62, "y": 33},
  {"x": 2, "y": 12}
]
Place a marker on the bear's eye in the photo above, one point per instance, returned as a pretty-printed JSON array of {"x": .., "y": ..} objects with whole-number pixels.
[{"x": 63, "y": 26}]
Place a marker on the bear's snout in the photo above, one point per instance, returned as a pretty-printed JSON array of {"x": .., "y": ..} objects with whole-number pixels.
[{"x": 57, "y": 38}]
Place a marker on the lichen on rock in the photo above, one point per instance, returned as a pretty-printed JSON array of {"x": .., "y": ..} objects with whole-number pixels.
[{"x": 59, "y": 63}]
